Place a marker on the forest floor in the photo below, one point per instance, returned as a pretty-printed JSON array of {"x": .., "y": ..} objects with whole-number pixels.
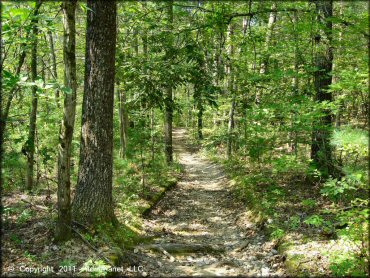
[{"x": 199, "y": 229}]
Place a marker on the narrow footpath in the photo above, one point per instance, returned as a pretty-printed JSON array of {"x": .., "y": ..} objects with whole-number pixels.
[{"x": 199, "y": 228}]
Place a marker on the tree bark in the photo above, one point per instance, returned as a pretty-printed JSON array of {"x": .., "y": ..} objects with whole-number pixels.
[
  {"x": 295, "y": 83},
  {"x": 5, "y": 111},
  {"x": 232, "y": 93},
  {"x": 270, "y": 29},
  {"x": 123, "y": 121},
  {"x": 30, "y": 145},
  {"x": 54, "y": 65},
  {"x": 63, "y": 230},
  {"x": 200, "y": 111},
  {"x": 321, "y": 151},
  {"x": 230, "y": 128},
  {"x": 168, "y": 94},
  {"x": 93, "y": 202},
  {"x": 338, "y": 117}
]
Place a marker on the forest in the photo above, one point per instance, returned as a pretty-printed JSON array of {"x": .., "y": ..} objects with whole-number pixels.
[{"x": 184, "y": 138}]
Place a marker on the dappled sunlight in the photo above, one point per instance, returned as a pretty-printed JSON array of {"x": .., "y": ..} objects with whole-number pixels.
[{"x": 196, "y": 226}]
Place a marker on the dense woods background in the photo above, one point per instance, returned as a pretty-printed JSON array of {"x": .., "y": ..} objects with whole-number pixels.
[{"x": 277, "y": 92}]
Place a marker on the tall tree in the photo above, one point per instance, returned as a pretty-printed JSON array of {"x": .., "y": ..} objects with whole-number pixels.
[
  {"x": 321, "y": 151},
  {"x": 54, "y": 64},
  {"x": 63, "y": 231},
  {"x": 93, "y": 201},
  {"x": 123, "y": 120},
  {"x": 231, "y": 90},
  {"x": 270, "y": 30},
  {"x": 168, "y": 93},
  {"x": 30, "y": 144}
]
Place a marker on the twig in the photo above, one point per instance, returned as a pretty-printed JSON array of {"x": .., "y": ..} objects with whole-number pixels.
[
  {"x": 303, "y": 262},
  {"x": 92, "y": 247},
  {"x": 36, "y": 206}
]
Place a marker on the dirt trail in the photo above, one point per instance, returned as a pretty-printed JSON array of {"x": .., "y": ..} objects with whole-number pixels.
[{"x": 197, "y": 227}]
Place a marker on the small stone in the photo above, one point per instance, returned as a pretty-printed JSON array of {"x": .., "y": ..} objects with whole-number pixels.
[
  {"x": 269, "y": 221},
  {"x": 265, "y": 271},
  {"x": 136, "y": 250},
  {"x": 274, "y": 251},
  {"x": 189, "y": 258},
  {"x": 172, "y": 259},
  {"x": 54, "y": 248},
  {"x": 275, "y": 265},
  {"x": 159, "y": 263},
  {"x": 144, "y": 274}
]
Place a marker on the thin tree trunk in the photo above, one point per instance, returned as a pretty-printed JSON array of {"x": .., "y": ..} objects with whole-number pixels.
[
  {"x": 93, "y": 202},
  {"x": 54, "y": 65},
  {"x": 232, "y": 92},
  {"x": 295, "y": 84},
  {"x": 321, "y": 151},
  {"x": 13, "y": 90},
  {"x": 30, "y": 147},
  {"x": 152, "y": 132},
  {"x": 168, "y": 95},
  {"x": 230, "y": 128},
  {"x": 270, "y": 29},
  {"x": 338, "y": 118},
  {"x": 200, "y": 118},
  {"x": 63, "y": 229},
  {"x": 123, "y": 121}
]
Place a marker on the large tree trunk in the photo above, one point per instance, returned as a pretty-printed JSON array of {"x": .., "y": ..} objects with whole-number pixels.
[
  {"x": 168, "y": 95},
  {"x": 93, "y": 202},
  {"x": 30, "y": 145},
  {"x": 63, "y": 230},
  {"x": 321, "y": 151}
]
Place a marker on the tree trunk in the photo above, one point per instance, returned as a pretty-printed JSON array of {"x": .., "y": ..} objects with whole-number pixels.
[
  {"x": 123, "y": 121},
  {"x": 168, "y": 95},
  {"x": 152, "y": 133},
  {"x": 232, "y": 93},
  {"x": 338, "y": 117},
  {"x": 63, "y": 230},
  {"x": 200, "y": 114},
  {"x": 321, "y": 151},
  {"x": 294, "y": 133},
  {"x": 30, "y": 145},
  {"x": 54, "y": 65},
  {"x": 5, "y": 111},
  {"x": 230, "y": 128},
  {"x": 93, "y": 202},
  {"x": 270, "y": 29}
]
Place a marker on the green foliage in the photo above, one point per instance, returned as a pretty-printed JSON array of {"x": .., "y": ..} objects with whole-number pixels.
[
  {"x": 288, "y": 163},
  {"x": 345, "y": 264},
  {"x": 294, "y": 222},
  {"x": 309, "y": 203},
  {"x": 277, "y": 234},
  {"x": 24, "y": 216},
  {"x": 97, "y": 268},
  {"x": 335, "y": 189},
  {"x": 314, "y": 220},
  {"x": 67, "y": 263}
]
